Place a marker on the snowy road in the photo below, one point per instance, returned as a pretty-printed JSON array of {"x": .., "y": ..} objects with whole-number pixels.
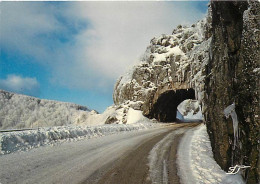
[{"x": 118, "y": 158}]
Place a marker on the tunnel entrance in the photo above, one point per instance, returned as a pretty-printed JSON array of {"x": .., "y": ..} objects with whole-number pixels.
[{"x": 165, "y": 107}]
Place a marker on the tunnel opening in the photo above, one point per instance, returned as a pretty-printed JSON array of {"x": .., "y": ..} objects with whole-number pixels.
[{"x": 164, "y": 108}]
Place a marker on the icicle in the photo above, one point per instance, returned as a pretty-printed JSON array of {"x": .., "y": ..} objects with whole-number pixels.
[{"x": 230, "y": 110}]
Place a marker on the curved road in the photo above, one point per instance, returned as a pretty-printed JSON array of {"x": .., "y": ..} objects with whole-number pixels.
[{"x": 146, "y": 156}]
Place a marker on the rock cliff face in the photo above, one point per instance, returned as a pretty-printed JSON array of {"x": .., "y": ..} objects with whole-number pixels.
[
  {"x": 232, "y": 76},
  {"x": 171, "y": 63},
  {"x": 219, "y": 60}
]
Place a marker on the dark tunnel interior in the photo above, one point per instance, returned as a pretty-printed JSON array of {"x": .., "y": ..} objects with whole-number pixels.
[{"x": 165, "y": 108}]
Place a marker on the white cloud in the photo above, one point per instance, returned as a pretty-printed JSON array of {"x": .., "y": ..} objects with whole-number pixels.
[
  {"x": 18, "y": 84},
  {"x": 116, "y": 35},
  {"x": 23, "y": 23}
]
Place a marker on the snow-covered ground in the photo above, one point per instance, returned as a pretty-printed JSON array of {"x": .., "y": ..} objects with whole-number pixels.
[
  {"x": 158, "y": 157},
  {"x": 194, "y": 158},
  {"x": 21, "y": 111},
  {"x": 196, "y": 163},
  {"x": 71, "y": 162},
  {"x": 25, "y": 140}
]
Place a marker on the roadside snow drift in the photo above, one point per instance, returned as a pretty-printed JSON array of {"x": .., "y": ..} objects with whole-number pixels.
[
  {"x": 196, "y": 163},
  {"x": 25, "y": 140}
]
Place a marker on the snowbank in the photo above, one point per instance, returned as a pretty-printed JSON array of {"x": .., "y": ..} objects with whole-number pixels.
[
  {"x": 196, "y": 163},
  {"x": 134, "y": 116},
  {"x": 25, "y": 140}
]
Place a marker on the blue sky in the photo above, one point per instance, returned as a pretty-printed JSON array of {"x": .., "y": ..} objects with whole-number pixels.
[{"x": 75, "y": 51}]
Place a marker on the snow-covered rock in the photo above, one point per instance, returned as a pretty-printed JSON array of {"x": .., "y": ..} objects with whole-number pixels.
[
  {"x": 189, "y": 110},
  {"x": 188, "y": 106},
  {"x": 124, "y": 113},
  {"x": 171, "y": 62}
]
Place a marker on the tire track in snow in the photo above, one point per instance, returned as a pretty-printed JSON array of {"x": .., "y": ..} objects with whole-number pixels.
[
  {"x": 162, "y": 158},
  {"x": 135, "y": 167}
]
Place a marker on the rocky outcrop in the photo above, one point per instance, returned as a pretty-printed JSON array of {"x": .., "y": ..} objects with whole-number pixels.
[
  {"x": 171, "y": 63},
  {"x": 232, "y": 76},
  {"x": 219, "y": 58}
]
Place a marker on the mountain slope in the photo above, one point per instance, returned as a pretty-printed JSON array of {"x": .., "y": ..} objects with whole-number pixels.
[{"x": 21, "y": 111}]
